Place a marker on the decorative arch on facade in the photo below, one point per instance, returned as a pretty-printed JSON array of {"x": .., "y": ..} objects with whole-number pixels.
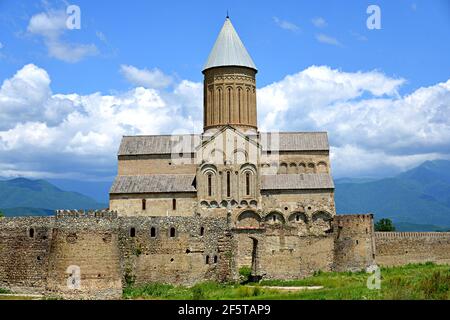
[
  {"x": 209, "y": 177},
  {"x": 322, "y": 221},
  {"x": 240, "y": 156},
  {"x": 301, "y": 167},
  {"x": 275, "y": 217},
  {"x": 283, "y": 168},
  {"x": 322, "y": 215},
  {"x": 292, "y": 168},
  {"x": 248, "y": 219},
  {"x": 298, "y": 217},
  {"x": 248, "y": 180},
  {"x": 216, "y": 156},
  {"x": 322, "y": 167},
  {"x": 311, "y": 168}
]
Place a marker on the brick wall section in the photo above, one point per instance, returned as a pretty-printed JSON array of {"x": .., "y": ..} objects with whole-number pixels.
[
  {"x": 398, "y": 248},
  {"x": 180, "y": 259},
  {"x": 90, "y": 243},
  {"x": 24, "y": 259}
]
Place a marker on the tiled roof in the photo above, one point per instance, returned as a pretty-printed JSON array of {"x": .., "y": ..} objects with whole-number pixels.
[
  {"x": 274, "y": 141},
  {"x": 297, "y": 181},
  {"x": 157, "y": 183},
  {"x": 294, "y": 141},
  {"x": 161, "y": 144}
]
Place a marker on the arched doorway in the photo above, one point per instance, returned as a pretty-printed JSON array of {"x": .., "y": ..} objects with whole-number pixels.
[{"x": 254, "y": 257}]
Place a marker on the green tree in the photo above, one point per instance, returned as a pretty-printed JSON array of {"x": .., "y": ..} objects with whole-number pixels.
[
  {"x": 1, "y": 214},
  {"x": 384, "y": 225}
]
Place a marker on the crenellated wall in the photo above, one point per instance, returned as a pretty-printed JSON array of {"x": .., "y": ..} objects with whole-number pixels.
[
  {"x": 398, "y": 248},
  {"x": 40, "y": 254}
]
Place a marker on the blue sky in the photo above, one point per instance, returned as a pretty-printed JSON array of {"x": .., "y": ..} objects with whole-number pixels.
[
  {"x": 176, "y": 37},
  {"x": 135, "y": 68}
]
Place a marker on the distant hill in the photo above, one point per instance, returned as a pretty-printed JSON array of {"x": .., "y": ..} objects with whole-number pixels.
[
  {"x": 420, "y": 196},
  {"x": 25, "y": 212},
  {"x": 38, "y": 197}
]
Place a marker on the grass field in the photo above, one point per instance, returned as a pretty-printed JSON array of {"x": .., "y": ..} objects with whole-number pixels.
[{"x": 414, "y": 281}]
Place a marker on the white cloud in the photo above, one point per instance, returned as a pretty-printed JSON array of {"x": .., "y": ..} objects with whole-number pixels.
[
  {"x": 319, "y": 22},
  {"x": 51, "y": 25},
  {"x": 283, "y": 24},
  {"x": 68, "y": 134},
  {"x": 154, "y": 78},
  {"x": 373, "y": 130},
  {"x": 323, "y": 38}
]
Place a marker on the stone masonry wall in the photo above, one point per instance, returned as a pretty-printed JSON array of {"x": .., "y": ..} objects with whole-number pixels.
[
  {"x": 196, "y": 250},
  {"x": 398, "y": 248},
  {"x": 24, "y": 247},
  {"x": 354, "y": 247}
]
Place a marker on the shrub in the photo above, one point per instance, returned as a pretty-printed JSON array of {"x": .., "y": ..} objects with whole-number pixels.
[
  {"x": 4, "y": 291},
  {"x": 245, "y": 272},
  {"x": 384, "y": 225}
]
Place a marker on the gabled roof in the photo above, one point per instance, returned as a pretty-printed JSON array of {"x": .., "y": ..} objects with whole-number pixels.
[
  {"x": 273, "y": 141},
  {"x": 154, "y": 183},
  {"x": 207, "y": 139},
  {"x": 229, "y": 50},
  {"x": 303, "y": 181},
  {"x": 294, "y": 141},
  {"x": 161, "y": 144}
]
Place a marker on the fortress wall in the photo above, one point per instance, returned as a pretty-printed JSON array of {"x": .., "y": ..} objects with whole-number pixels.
[
  {"x": 24, "y": 259},
  {"x": 177, "y": 260},
  {"x": 354, "y": 242},
  {"x": 283, "y": 252},
  {"x": 293, "y": 257},
  {"x": 90, "y": 244},
  {"x": 398, "y": 248},
  {"x": 157, "y": 204}
]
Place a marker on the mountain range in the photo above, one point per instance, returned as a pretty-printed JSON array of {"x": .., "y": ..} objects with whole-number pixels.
[
  {"x": 420, "y": 196},
  {"x": 416, "y": 200},
  {"x": 22, "y": 196}
]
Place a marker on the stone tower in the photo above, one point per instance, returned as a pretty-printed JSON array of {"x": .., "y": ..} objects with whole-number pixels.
[{"x": 229, "y": 83}]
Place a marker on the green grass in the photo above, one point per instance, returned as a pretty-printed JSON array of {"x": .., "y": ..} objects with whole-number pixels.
[
  {"x": 414, "y": 281},
  {"x": 4, "y": 291}
]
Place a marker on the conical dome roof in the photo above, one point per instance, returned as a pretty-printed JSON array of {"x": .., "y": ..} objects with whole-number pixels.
[{"x": 229, "y": 50}]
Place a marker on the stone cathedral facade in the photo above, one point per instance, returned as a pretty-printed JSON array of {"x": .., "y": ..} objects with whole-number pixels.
[{"x": 231, "y": 168}]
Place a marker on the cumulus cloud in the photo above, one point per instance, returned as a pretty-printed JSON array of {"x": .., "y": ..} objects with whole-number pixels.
[
  {"x": 51, "y": 26},
  {"x": 319, "y": 22},
  {"x": 153, "y": 78},
  {"x": 323, "y": 38},
  {"x": 66, "y": 134},
  {"x": 286, "y": 25},
  {"x": 373, "y": 130}
]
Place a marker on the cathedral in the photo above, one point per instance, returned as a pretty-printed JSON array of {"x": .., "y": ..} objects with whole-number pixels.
[{"x": 231, "y": 169}]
